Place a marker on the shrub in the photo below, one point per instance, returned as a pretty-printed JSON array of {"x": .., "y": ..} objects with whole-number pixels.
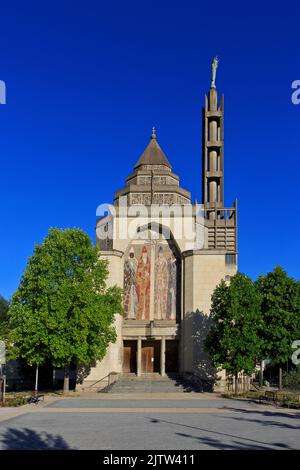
[
  {"x": 14, "y": 401},
  {"x": 291, "y": 379}
]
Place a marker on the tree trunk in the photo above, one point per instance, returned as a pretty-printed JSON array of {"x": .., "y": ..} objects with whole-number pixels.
[
  {"x": 1, "y": 384},
  {"x": 236, "y": 388},
  {"x": 66, "y": 379},
  {"x": 280, "y": 378},
  {"x": 261, "y": 377},
  {"x": 36, "y": 388}
]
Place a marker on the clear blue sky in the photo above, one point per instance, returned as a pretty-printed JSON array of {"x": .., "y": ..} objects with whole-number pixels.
[{"x": 87, "y": 80}]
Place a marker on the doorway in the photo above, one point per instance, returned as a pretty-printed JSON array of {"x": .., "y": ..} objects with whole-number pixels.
[
  {"x": 129, "y": 357},
  {"x": 150, "y": 357},
  {"x": 171, "y": 356}
]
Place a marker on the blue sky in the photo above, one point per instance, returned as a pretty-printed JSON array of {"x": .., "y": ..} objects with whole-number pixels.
[{"x": 86, "y": 81}]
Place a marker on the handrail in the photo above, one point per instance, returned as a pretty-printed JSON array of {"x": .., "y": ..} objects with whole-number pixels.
[{"x": 102, "y": 378}]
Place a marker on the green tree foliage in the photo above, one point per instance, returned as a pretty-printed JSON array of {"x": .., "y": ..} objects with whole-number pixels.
[
  {"x": 280, "y": 307},
  {"x": 233, "y": 342},
  {"x": 4, "y": 305},
  {"x": 62, "y": 310},
  {"x": 291, "y": 379}
]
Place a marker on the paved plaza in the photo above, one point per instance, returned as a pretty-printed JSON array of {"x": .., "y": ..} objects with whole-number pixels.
[{"x": 188, "y": 421}]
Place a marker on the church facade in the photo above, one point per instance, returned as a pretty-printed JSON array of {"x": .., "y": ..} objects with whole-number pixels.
[{"x": 168, "y": 254}]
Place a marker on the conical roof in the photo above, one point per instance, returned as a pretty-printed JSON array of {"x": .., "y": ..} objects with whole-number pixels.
[{"x": 153, "y": 154}]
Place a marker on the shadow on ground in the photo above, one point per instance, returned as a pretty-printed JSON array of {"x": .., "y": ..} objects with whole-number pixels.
[
  {"x": 185, "y": 384},
  {"x": 266, "y": 414},
  {"x": 237, "y": 442},
  {"x": 233, "y": 445},
  {"x": 27, "y": 439}
]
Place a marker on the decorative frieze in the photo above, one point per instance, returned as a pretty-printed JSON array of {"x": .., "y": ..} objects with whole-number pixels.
[
  {"x": 157, "y": 180},
  {"x": 166, "y": 199},
  {"x": 154, "y": 167}
]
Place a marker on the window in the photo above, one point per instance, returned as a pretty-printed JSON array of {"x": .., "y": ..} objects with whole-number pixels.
[{"x": 230, "y": 259}]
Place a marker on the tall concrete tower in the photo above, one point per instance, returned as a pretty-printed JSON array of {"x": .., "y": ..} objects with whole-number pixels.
[
  {"x": 213, "y": 157},
  {"x": 220, "y": 221}
]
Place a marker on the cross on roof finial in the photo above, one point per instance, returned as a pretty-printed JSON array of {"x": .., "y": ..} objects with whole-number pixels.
[{"x": 153, "y": 136}]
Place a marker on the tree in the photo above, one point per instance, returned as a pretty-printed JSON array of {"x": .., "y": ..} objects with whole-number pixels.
[
  {"x": 280, "y": 307},
  {"x": 3, "y": 316},
  {"x": 62, "y": 310},
  {"x": 233, "y": 342}
]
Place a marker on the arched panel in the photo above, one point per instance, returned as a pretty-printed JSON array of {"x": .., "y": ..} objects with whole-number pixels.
[{"x": 152, "y": 270}]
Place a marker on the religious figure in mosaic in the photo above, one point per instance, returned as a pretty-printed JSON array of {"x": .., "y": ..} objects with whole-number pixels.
[
  {"x": 172, "y": 287},
  {"x": 143, "y": 286},
  {"x": 161, "y": 285},
  {"x": 130, "y": 294}
]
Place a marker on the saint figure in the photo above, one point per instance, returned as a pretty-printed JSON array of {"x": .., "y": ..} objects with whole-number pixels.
[
  {"x": 172, "y": 266},
  {"x": 130, "y": 295},
  {"x": 161, "y": 285},
  {"x": 143, "y": 286}
]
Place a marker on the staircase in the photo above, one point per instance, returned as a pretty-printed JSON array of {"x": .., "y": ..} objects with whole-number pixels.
[{"x": 151, "y": 383}]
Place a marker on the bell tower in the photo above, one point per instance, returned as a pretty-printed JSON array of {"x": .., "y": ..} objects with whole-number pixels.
[
  {"x": 220, "y": 221},
  {"x": 212, "y": 150}
]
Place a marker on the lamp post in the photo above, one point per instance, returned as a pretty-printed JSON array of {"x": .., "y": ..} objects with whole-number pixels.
[{"x": 2, "y": 374}]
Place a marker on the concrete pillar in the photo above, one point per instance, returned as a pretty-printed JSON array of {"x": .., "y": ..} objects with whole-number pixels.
[
  {"x": 213, "y": 131},
  {"x": 213, "y": 191},
  {"x": 213, "y": 160},
  {"x": 213, "y": 99},
  {"x": 163, "y": 356},
  {"x": 139, "y": 357}
]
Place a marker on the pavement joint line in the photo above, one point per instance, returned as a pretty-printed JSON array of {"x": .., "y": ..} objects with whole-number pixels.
[
  {"x": 143, "y": 396},
  {"x": 132, "y": 410},
  {"x": 11, "y": 413},
  {"x": 144, "y": 409}
]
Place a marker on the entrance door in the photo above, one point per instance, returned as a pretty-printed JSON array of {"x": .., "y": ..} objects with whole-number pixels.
[
  {"x": 150, "y": 356},
  {"x": 171, "y": 356},
  {"x": 129, "y": 357},
  {"x": 147, "y": 359}
]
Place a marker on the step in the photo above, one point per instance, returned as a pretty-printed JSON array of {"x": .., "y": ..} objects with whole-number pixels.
[{"x": 154, "y": 384}]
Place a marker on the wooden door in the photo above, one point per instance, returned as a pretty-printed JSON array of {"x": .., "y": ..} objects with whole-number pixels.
[
  {"x": 147, "y": 359},
  {"x": 129, "y": 357},
  {"x": 126, "y": 359},
  {"x": 150, "y": 356}
]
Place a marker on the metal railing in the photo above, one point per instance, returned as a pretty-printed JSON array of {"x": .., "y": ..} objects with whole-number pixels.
[{"x": 111, "y": 378}]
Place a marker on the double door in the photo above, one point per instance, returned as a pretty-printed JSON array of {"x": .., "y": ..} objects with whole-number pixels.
[{"x": 150, "y": 357}]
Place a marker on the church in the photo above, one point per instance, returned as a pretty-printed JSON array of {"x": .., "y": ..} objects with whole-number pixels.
[{"x": 168, "y": 254}]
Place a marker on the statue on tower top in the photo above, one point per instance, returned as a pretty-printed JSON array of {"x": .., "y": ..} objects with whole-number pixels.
[{"x": 214, "y": 67}]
